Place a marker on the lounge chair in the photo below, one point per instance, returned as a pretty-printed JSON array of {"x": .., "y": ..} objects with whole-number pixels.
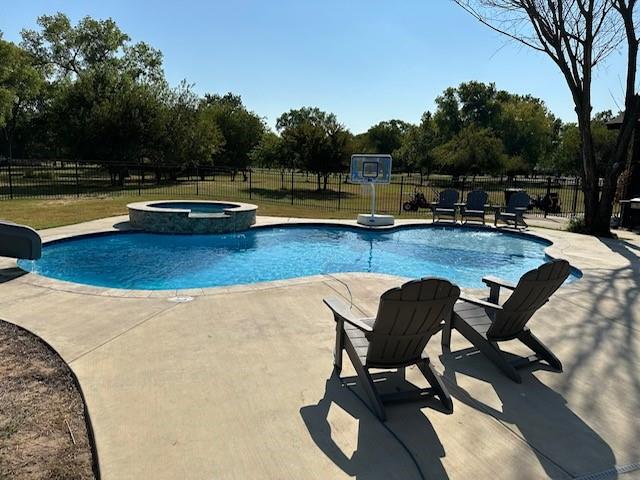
[
  {"x": 446, "y": 206},
  {"x": 407, "y": 318},
  {"x": 486, "y": 323},
  {"x": 514, "y": 211},
  {"x": 475, "y": 206}
]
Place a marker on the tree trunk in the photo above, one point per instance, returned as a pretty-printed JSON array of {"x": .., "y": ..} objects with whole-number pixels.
[
  {"x": 318, "y": 179},
  {"x": 590, "y": 188}
]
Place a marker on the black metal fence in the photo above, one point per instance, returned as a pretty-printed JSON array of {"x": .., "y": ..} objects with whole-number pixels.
[{"x": 560, "y": 196}]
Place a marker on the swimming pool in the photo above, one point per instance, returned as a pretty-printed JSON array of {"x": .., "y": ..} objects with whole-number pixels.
[{"x": 147, "y": 261}]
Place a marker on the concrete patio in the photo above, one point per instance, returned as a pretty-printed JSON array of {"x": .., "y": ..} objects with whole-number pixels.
[{"x": 237, "y": 383}]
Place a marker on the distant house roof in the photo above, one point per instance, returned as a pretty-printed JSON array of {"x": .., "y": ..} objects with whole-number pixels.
[{"x": 616, "y": 121}]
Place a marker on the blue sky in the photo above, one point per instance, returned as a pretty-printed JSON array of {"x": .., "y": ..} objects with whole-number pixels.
[{"x": 365, "y": 60}]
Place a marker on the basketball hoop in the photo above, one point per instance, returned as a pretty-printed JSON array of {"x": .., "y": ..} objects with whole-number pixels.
[{"x": 367, "y": 169}]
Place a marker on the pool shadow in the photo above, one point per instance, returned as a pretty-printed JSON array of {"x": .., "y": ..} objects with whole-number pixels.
[
  {"x": 540, "y": 415},
  {"x": 11, "y": 273},
  {"x": 405, "y": 444},
  {"x": 123, "y": 226}
]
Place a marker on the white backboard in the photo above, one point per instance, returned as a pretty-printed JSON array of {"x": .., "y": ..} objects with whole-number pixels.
[{"x": 370, "y": 168}]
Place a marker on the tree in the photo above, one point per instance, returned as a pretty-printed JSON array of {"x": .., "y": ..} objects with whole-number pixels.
[
  {"x": 64, "y": 51},
  {"x": 417, "y": 145},
  {"x": 567, "y": 157},
  {"x": 386, "y": 137},
  {"x": 527, "y": 130},
  {"x": 447, "y": 116},
  {"x": 190, "y": 138},
  {"x": 20, "y": 86},
  {"x": 269, "y": 152},
  {"x": 314, "y": 140},
  {"x": 523, "y": 123},
  {"x": 240, "y": 128},
  {"x": 472, "y": 150},
  {"x": 479, "y": 103},
  {"x": 107, "y": 93},
  {"x": 577, "y": 35}
]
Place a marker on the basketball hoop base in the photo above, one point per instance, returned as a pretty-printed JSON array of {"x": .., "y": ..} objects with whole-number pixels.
[{"x": 375, "y": 220}]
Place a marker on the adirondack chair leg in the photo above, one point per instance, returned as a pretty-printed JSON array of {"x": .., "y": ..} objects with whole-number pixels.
[
  {"x": 489, "y": 349},
  {"x": 337, "y": 352},
  {"x": 445, "y": 339},
  {"x": 531, "y": 341},
  {"x": 436, "y": 383},
  {"x": 366, "y": 381},
  {"x": 493, "y": 353}
]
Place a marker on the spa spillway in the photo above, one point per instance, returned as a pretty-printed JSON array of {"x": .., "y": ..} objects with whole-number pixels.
[{"x": 191, "y": 216}]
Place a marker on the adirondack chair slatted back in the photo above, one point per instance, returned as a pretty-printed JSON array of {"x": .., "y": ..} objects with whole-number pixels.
[
  {"x": 447, "y": 198},
  {"x": 407, "y": 318},
  {"x": 532, "y": 292},
  {"x": 476, "y": 200},
  {"x": 517, "y": 200}
]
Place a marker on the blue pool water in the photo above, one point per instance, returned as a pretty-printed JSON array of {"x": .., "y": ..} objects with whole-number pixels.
[
  {"x": 151, "y": 261},
  {"x": 195, "y": 207}
]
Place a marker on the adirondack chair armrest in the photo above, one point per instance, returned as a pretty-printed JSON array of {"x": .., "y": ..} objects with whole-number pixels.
[
  {"x": 340, "y": 309},
  {"x": 480, "y": 303},
  {"x": 490, "y": 280}
]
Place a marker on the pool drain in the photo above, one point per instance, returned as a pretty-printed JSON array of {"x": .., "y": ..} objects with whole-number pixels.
[{"x": 181, "y": 299}]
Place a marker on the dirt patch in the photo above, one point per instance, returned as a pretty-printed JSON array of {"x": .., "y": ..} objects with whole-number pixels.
[{"x": 43, "y": 432}]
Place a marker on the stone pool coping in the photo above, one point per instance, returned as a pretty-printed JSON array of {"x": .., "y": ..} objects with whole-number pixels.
[
  {"x": 149, "y": 207},
  {"x": 558, "y": 248}
]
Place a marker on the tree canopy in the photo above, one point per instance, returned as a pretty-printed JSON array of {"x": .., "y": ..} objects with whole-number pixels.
[{"x": 86, "y": 91}]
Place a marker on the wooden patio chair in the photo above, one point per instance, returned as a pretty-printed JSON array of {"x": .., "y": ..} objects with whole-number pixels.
[
  {"x": 408, "y": 316},
  {"x": 486, "y": 323},
  {"x": 475, "y": 206},
  {"x": 446, "y": 206},
  {"x": 514, "y": 211}
]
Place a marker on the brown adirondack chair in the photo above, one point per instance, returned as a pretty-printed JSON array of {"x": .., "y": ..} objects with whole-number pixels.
[
  {"x": 475, "y": 206},
  {"x": 396, "y": 337},
  {"x": 486, "y": 323},
  {"x": 446, "y": 206}
]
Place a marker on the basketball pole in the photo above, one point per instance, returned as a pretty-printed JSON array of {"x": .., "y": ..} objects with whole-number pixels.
[{"x": 373, "y": 199}]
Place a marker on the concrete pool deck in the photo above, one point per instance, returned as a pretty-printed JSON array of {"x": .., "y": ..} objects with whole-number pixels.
[{"x": 237, "y": 382}]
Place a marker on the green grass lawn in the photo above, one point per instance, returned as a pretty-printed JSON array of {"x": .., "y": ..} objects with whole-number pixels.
[
  {"x": 67, "y": 201},
  {"x": 41, "y": 214}
]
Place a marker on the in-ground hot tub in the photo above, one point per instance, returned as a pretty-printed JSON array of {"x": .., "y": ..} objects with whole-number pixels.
[{"x": 191, "y": 216}]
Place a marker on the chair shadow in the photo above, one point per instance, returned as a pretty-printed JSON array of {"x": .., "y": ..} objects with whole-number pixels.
[
  {"x": 541, "y": 415},
  {"x": 378, "y": 455},
  {"x": 11, "y": 273}
]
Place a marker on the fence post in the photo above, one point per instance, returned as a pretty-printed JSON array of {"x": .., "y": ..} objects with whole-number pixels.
[
  {"x": 401, "y": 191},
  {"x": 10, "y": 181},
  {"x": 548, "y": 198},
  {"x": 197, "y": 180},
  {"x": 575, "y": 195},
  {"x": 139, "y": 177},
  {"x": 339, "y": 190},
  {"x": 77, "y": 181},
  {"x": 250, "y": 184},
  {"x": 291, "y": 187}
]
